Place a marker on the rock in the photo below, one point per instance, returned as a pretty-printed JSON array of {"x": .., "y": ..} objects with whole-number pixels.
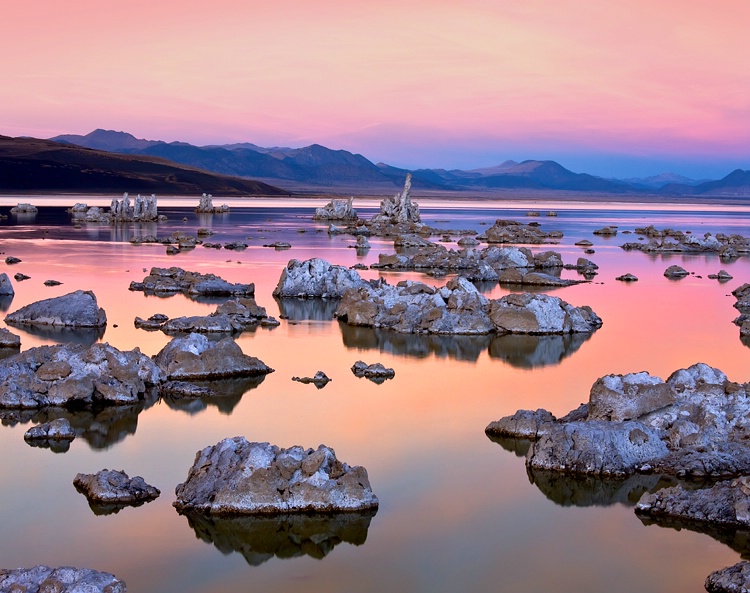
[
  {"x": 172, "y": 280},
  {"x": 316, "y": 278},
  {"x": 399, "y": 208},
  {"x": 279, "y": 245},
  {"x": 234, "y": 316},
  {"x": 206, "y": 205},
  {"x": 240, "y": 477},
  {"x": 155, "y": 322},
  {"x": 20, "y": 277},
  {"x": 9, "y": 339},
  {"x": 362, "y": 244},
  {"x": 63, "y": 579},
  {"x": 627, "y": 278},
  {"x": 733, "y": 579},
  {"x": 675, "y": 272},
  {"x": 76, "y": 309},
  {"x": 525, "y": 424},
  {"x": 52, "y": 283},
  {"x": 110, "y": 486},
  {"x": 12, "y": 260},
  {"x": 607, "y": 231},
  {"x": 320, "y": 379},
  {"x": 24, "y": 208},
  {"x": 692, "y": 425},
  {"x": 513, "y": 276},
  {"x": 144, "y": 209},
  {"x": 74, "y": 374},
  {"x": 6, "y": 288},
  {"x": 728, "y": 247},
  {"x": 236, "y": 246},
  {"x": 527, "y": 313},
  {"x": 59, "y": 429},
  {"x": 375, "y": 372},
  {"x": 722, "y": 276},
  {"x": 584, "y": 243},
  {"x": 336, "y": 209},
  {"x": 195, "y": 357},
  {"x": 510, "y": 231}
]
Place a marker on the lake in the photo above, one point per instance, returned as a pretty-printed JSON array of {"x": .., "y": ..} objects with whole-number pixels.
[{"x": 458, "y": 512}]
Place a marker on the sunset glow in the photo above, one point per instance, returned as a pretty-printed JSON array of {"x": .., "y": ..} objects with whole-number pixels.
[{"x": 621, "y": 88}]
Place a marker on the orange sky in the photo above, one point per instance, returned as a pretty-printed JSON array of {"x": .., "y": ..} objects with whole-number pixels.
[{"x": 413, "y": 83}]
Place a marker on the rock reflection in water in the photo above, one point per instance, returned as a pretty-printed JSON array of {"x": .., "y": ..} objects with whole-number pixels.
[
  {"x": 101, "y": 427},
  {"x": 86, "y": 336},
  {"x": 519, "y": 447},
  {"x": 225, "y": 394},
  {"x": 737, "y": 539},
  {"x": 5, "y": 301},
  {"x": 307, "y": 309},
  {"x": 530, "y": 352},
  {"x": 260, "y": 538}
]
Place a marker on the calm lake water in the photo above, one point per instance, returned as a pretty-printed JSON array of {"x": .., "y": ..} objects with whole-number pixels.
[{"x": 458, "y": 512}]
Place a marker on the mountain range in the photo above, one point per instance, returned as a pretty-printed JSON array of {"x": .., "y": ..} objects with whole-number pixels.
[{"x": 324, "y": 168}]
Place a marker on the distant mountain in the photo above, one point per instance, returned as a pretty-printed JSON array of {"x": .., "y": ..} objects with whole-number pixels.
[
  {"x": 28, "y": 164},
  {"x": 108, "y": 140},
  {"x": 659, "y": 181},
  {"x": 737, "y": 183}
]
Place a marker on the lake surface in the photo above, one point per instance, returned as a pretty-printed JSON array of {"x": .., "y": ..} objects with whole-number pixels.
[{"x": 458, "y": 512}]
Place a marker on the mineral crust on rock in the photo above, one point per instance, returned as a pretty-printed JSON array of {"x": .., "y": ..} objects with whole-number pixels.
[
  {"x": 511, "y": 231},
  {"x": 63, "y": 579},
  {"x": 695, "y": 424},
  {"x": 111, "y": 486},
  {"x": 173, "y": 280},
  {"x": 376, "y": 372},
  {"x": 316, "y": 278},
  {"x": 59, "y": 429},
  {"x": 76, "y": 309},
  {"x": 6, "y": 286},
  {"x": 675, "y": 272},
  {"x": 733, "y": 579},
  {"x": 399, "y": 208},
  {"x": 319, "y": 379},
  {"x": 728, "y": 247},
  {"x": 8, "y": 339},
  {"x": 240, "y": 477},
  {"x": 336, "y": 209}
]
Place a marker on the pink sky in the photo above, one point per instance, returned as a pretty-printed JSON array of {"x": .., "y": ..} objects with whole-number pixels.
[{"x": 412, "y": 83}]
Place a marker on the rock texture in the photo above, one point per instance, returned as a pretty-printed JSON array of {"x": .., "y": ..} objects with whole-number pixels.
[
  {"x": 206, "y": 205},
  {"x": 164, "y": 281},
  {"x": 733, "y": 579},
  {"x": 316, "y": 278},
  {"x": 695, "y": 424},
  {"x": 337, "y": 209},
  {"x": 143, "y": 209},
  {"x": 675, "y": 272},
  {"x": 196, "y": 357},
  {"x": 59, "y": 429},
  {"x": 728, "y": 247},
  {"x": 111, "y": 486},
  {"x": 511, "y": 231},
  {"x": 240, "y": 477},
  {"x": 6, "y": 286},
  {"x": 742, "y": 294},
  {"x": 76, "y": 309},
  {"x": 64, "y": 579},
  {"x": 459, "y": 308},
  {"x": 399, "y": 208},
  {"x": 375, "y": 372},
  {"x": 73, "y": 374},
  {"x": 319, "y": 379},
  {"x": 8, "y": 339}
]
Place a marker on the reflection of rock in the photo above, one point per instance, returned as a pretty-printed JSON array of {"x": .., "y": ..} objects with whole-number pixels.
[
  {"x": 519, "y": 447},
  {"x": 110, "y": 487},
  {"x": 316, "y": 278},
  {"x": 692, "y": 425},
  {"x": 260, "y": 538},
  {"x": 196, "y": 396},
  {"x": 5, "y": 302},
  {"x": 6, "y": 287},
  {"x": 77, "y": 309},
  {"x": 85, "y": 336},
  {"x": 295, "y": 309},
  {"x": 239, "y": 477},
  {"x": 525, "y": 351},
  {"x": 167, "y": 281},
  {"x": 63, "y": 579}
]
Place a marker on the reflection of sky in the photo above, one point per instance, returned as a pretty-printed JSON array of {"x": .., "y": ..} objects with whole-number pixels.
[{"x": 457, "y": 511}]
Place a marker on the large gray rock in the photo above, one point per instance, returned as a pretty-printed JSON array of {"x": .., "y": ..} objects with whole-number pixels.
[
  {"x": 6, "y": 287},
  {"x": 337, "y": 209},
  {"x": 733, "y": 579},
  {"x": 196, "y": 357},
  {"x": 234, "y": 316},
  {"x": 316, "y": 278},
  {"x": 63, "y": 579},
  {"x": 240, "y": 477},
  {"x": 511, "y": 231},
  {"x": 111, "y": 486},
  {"x": 74, "y": 374},
  {"x": 58, "y": 429},
  {"x": 528, "y": 313},
  {"x": 172, "y": 280},
  {"x": 76, "y": 309},
  {"x": 695, "y": 424},
  {"x": 399, "y": 208}
]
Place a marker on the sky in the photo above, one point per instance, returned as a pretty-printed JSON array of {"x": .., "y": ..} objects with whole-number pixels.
[{"x": 621, "y": 88}]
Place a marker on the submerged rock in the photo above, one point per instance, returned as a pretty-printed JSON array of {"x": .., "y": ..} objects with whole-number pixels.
[
  {"x": 240, "y": 477},
  {"x": 63, "y": 579},
  {"x": 692, "y": 425},
  {"x": 111, "y": 486},
  {"x": 76, "y": 309},
  {"x": 320, "y": 379},
  {"x": 316, "y": 278},
  {"x": 172, "y": 280}
]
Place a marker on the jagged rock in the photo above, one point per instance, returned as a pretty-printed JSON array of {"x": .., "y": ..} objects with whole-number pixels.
[
  {"x": 627, "y": 278},
  {"x": 144, "y": 209},
  {"x": 511, "y": 231},
  {"x": 399, "y": 208},
  {"x": 319, "y": 379},
  {"x": 153, "y": 323},
  {"x": 693, "y": 425},
  {"x": 240, "y": 477},
  {"x": 516, "y": 277},
  {"x": 675, "y": 272},
  {"x": 6, "y": 287},
  {"x": 337, "y": 209},
  {"x": 206, "y": 205},
  {"x": 63, "y": 579},
  {"x": 24, "y": 208},
  {"x": 172, "y": 280},
  {"x": 362, "y": 244},
  {"x": 73, "y": 374},
  {"x": 722, "y": 276},
  {"x": 411, "y": 241},
  {"x": 525, "y": 424},
  {"x": 231, "y": 317},
  {"x": 9, "y": 339},
  {"x": 196, "y": 357},
  {"x": 111, "y": 486},
  {"x": 59, "y": 429},
  {"x": 375, "y": 372},
  {"x": 316, "y": 278},
  {"x": 733, "y": 579},
  {"x": 459, "y": 308},
  {"x": 728, "y": 247},
  {"x": 76, "y": 309}
]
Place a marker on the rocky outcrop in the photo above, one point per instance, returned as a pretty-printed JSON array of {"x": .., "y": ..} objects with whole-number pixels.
[
  {"x": 24, "y": 208},
  {"x": 143, "y": 209},
  {"x": 64, "y": 579},
  {"x": 111, "y": 486},
  {"x": 733, "y": 579},
  {"x": 73, "y": 374},
  {"x": 206, "y": 205},
  {"x": 6, "y": 286},
  {"x": 337, "y": 209},
  {"x": 240, "y": 477},
  {"x": 316, "y": 278},
  {"x": 165, "y": 281},
  {"x": 511, "y": 231},
  {"x": 76, "y": 309},
  {"x": 9, "y": 340},
  {"x": 59, "y": 429},
  {"x": 459, "y": 308},
  {"x": 742, "y": 294},
  {"x": 196, "y": 357},
  {"x": 694, "y": 424},
  {"x": 400, "y": 208},
  {"x": 728, "y": 247},
  {"x": 376, "y": 372},
  {"x": 675, "y": 272},
  {"x": 627, "y": 278}
]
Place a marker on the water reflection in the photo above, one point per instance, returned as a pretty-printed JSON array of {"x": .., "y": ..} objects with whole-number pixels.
[
  {"x": 307, "y": 309},
  {"x": 5, "y": 301},
  {"x": 225, "y": 394},
  {"x": 100, "y": 426},
  {"x": 528, "y": 352},
  {"x": 260, "y": 538},
  {"x": 737, "y": 539},
  {"x": 62, "y": 335}
]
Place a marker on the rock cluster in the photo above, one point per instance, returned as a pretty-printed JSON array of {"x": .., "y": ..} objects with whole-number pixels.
[
  {"x": 111, "y": 486},
  {"x": 143, "y": 209},
  {"x": 24, "y": 208},
  {"x": 511, "y": 231},
  {"x": 400, "y": 208},
  {"x": 59, "y": 429},
  {"x": 206, "y": 205},
  {"x": 337, "y": 209},
  {"x": 316, "y": 278},
  {"x": 240, "y": 477},
  {"x": 375, "y": 372},
  {"x": 319, "y": 379},
  {"x": 728, "y": 247},
  {"x": 694, "y": 424},
  {"x": 63, "y": 579},
  {"x": 459, "y": 308},
  {"x": 163, "y": 281},
  {"x": 76, "y": 309},
  {"x": 742, "y": 294}
]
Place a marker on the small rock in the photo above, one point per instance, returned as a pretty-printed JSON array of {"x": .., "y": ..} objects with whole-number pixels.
[
  {"x": 12, "y": 260},
  {"x": 675, "y": 272},
  {"x": 52, "y": 283},
  {"x": 110, "y": 486},
  {"x": 55, "y": 430},
  {"x": 375, "y": 372},
  {"x": 320, "y": 379},
  {"x": 627, "y": 278}
]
